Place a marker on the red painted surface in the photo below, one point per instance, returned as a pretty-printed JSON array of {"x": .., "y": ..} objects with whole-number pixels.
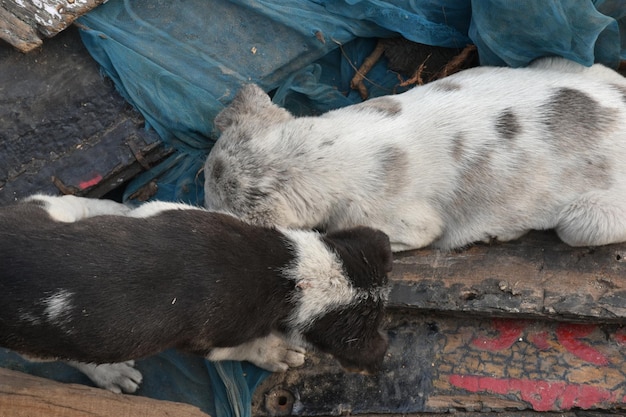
[
  {"x": 542, "y": 395},
  {"x": 569, "y": 336},
  {"x": 90, "y": 183},
  {"x": 551, "y": 393},
  {"x": 510, "y": 332},
  {"x": 540, "y": 340}
]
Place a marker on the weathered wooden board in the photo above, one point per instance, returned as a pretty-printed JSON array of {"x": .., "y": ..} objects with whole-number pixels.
[
  {"x": 576, "y": 413},
  {"x": 23, "y": 395},
  {"x": 24, "y": 23},
  {"x": 63, "y": 127},
  {"x": 441, "y": 364},
  {"x": 536, "y": 276}
]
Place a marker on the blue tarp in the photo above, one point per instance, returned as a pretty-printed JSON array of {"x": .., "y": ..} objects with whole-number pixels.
[{"x": 180, "y": 61}]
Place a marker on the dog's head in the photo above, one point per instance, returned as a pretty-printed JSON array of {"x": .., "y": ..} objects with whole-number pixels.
[
  {"x": 341, "y": 294},
  {"x": 251, "y": 172},
  {"x": 240, "y": 175}
]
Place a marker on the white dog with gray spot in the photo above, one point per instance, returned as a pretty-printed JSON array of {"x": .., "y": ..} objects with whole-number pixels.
[{"x": 487, "y": 153}]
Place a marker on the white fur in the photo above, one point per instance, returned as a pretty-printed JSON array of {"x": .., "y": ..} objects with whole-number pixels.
[
  {"x": 485, "y": 153},
  {"x": 57, "y": 305},
  {"x": 153, "y": 208},
  {"x": 69, "y": 208},
  {"x": 319, "y": 276},
  {"x": 273, "y": 353},
  {"x": 117, "y": 377}
]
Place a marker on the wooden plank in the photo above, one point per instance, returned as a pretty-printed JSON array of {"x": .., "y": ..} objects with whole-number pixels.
[
  {"x": 23, "y": 395},
  {"x": 60, "y": 119},
  {"x": 575, "y": 413},
  {"x": 23, "y": 23},
  {"x": 537, "y": 276},
  {"x": 18, "y": 33},
  {"x": 439, "y": 364}
]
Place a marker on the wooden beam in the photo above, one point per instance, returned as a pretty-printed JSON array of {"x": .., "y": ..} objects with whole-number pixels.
[
  {"x": 18, "y": 33},
  {"x": 23, "y": 395},
  {"x": 24, "y": 23},
  {"x": 537, "y": 276}
]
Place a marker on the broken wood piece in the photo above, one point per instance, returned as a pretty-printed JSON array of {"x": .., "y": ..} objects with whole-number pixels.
[
  {"x": 18, "y": 33},
  {"x": 24, "y": 23},
  {"x": 416, "y": 78},
  {"x": 421, "y": 63},
  {"x": 23, "y": 395},
  {"x": 457, "y": 63},
  {"x": 357, "y": 81}
]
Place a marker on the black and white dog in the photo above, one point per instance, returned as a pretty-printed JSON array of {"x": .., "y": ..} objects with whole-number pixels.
[
  {"x": 95, "y": 282},
  {"x": 485, "y": 153}
]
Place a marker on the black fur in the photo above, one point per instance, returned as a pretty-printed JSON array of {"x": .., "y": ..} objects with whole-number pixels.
[{"x": 352, "y": 334}]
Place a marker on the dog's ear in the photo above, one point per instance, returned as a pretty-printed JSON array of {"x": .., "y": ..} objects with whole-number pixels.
[
  {"x": 251, "y": 102},
  {"x": 363, "y": 250},
  {"x": 381, "y": 242}
]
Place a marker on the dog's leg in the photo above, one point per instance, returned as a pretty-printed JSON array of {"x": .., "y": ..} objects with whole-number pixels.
[
  {"x": 117, "y": 377},
  {"x": 413, "y": 226},
  {"x": 69, "y": 208},
  {"x": 271, "y": 352},
  {"x": 596, "y": 218}
]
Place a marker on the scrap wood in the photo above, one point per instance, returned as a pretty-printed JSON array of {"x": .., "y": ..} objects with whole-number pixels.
[
  {"x": 23, "y": 24},
  {"x": 536, "y": 276},
  {"x": 357, "y": 81},
  {"x": 23, "y": 395},
  {"x": 456, "y": 64}
]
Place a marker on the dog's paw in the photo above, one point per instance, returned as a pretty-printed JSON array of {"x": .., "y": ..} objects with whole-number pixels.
[
  {"x": 276, "y": 355},
  {"x": 271, "y": 352},
  {"x": 117, "y": 377}
]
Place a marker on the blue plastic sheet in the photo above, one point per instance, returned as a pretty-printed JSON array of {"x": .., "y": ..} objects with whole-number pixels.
[
  {"x": 179, "y": 62},
  {"x": 577, "y": 30}
]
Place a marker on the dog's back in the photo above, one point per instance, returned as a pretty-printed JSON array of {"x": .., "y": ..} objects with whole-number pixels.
[{"x": 108, "y": 278}]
